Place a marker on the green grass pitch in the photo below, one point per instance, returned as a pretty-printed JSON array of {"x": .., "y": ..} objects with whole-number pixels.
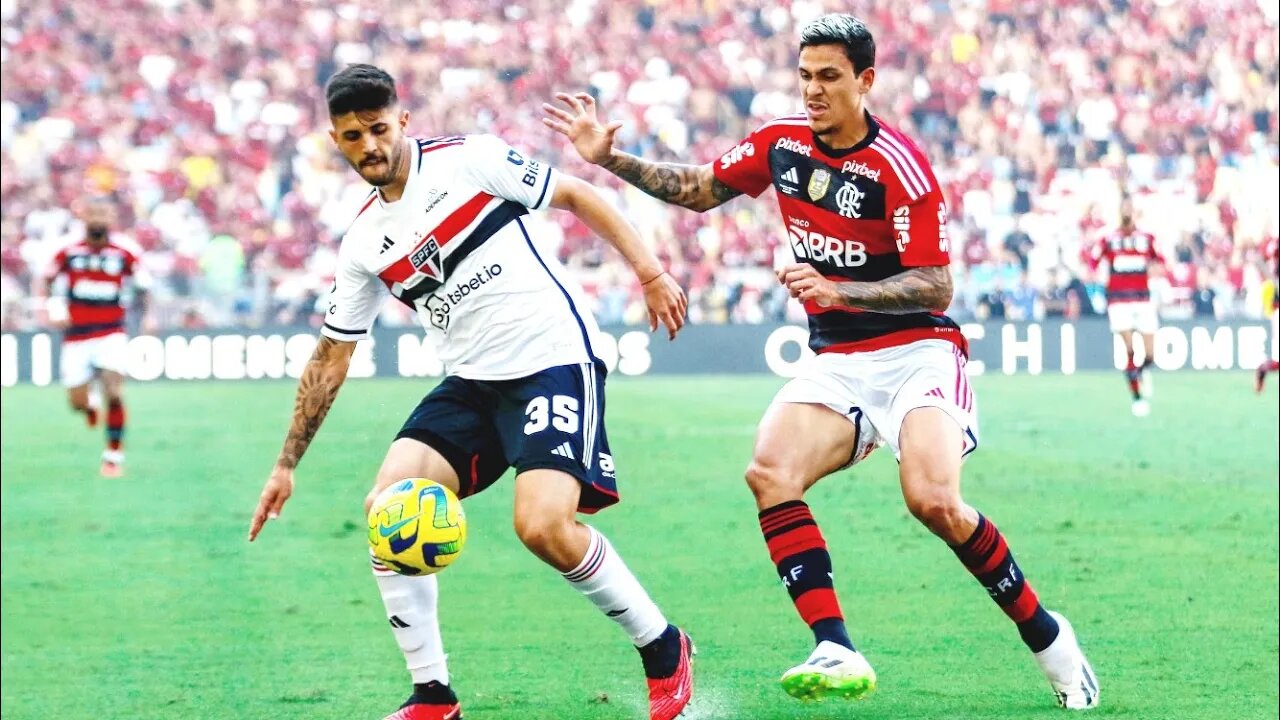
[{"x": 140, "y": 598}]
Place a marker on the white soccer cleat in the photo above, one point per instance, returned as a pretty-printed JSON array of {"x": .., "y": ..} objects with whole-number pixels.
[
  {"x": 831, "y": 671},
  {"x": 1074, "y": 684},
  {"x": 1141, "y": 408}
]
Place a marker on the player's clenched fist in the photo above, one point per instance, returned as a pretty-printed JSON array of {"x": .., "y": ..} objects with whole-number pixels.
[{"x": 806, "y": 284}]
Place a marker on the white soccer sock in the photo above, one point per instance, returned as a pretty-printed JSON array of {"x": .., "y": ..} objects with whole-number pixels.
[
  {"x": 411, "y": 610},
  {"x": 607, "y": 582}
]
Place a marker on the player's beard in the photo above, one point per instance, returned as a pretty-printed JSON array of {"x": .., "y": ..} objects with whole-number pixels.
[
  {"x": 97, "y": 233},
  {"x": 383, "y": 173}
]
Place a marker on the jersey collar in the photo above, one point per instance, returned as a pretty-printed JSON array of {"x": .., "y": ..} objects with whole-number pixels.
[{"x": 873, "y": 129}]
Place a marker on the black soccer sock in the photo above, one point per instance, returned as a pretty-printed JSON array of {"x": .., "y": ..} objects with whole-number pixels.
[
  {"x": 661, "y": 658},
  {"x": 432, "y": 693}
]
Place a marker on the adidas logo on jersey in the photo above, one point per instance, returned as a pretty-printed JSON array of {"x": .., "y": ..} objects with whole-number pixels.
[
  {"x": 790, "y": 176},
  {"x": 794, "y": 146},
  {"x": 565, "y": 451},
  {"x": 386, "y": 244}
]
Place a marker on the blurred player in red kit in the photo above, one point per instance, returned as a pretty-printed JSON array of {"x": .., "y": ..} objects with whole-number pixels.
[
  {"x": 1129, "y": 254},
  {"x": 866, "y": 221},
  {"x": 84, "y": 290},
  {"x": 1271, "y": 255}
]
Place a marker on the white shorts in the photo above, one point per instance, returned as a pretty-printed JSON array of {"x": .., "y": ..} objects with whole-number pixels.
[
  {"x": 82, "y": 359},
  {"x": 875, "y": 390},
  {"x": 1137, "y": 316}
]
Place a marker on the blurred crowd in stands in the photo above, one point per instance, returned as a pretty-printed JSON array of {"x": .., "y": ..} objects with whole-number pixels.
[{"x": 205, "y": 120}]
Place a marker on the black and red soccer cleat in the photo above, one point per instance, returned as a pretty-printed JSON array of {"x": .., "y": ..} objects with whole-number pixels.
[
  {"x": 430, "y": 701},
  {"x": 420, "y": 711},
  {"x": 669, "y": 695},
  {"x": 1260, "y": 377}
]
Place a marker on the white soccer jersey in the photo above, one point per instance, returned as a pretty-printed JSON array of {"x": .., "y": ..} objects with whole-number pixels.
[{"x": 456, "y": 250}]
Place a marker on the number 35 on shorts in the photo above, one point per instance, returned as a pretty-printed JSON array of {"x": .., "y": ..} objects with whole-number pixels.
[{"x": 558, "y": 411}]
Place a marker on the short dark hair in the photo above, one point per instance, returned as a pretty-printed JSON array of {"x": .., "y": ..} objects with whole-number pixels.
[
  {"x": 359, "y": 88},
  {"x": 846, "y": 30}
]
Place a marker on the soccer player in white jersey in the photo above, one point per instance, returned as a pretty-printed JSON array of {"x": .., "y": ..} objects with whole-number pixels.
[{"x": 442, "y": 230}]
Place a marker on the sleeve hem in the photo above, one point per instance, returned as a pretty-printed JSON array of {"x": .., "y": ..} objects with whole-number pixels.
[{"x": 337, "y": 333}]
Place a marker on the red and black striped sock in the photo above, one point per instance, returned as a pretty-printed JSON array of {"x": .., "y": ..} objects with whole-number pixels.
[
  {"x": 1133, "y": 375},
  {"x": 800, "y": 555},
  {"x": 115, "y": 424},
  {"x": 987, "y": 556}
]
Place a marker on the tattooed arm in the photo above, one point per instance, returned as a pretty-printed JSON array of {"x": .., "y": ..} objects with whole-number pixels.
[
  {"x": 691, "y": 186},
  {"x": 317, "y": 388},
  {"x": 921, "y": 289},
  {"x": 917, "y": 289}
]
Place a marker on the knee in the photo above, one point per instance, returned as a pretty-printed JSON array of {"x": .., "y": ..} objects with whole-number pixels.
[
  {"x": 771, "y": 484},
  {"x": 542, "y": 533},
  {"x": 942, "y": 512},
  {"x": 79, "y": 404},
  {"x": 380, "y": 483}
]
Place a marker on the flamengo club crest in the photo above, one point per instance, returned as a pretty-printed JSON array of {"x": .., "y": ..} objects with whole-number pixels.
[
  {"x": 819, "y": 183},
  {"x": 849, "y": 200}
]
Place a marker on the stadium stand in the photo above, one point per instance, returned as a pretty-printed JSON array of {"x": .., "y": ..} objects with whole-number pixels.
[{"x": 205, "y": 120}]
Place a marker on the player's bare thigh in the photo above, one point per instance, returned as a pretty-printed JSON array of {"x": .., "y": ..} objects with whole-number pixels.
[
  {"x": 797, "y": 444},
  {"x": 545, "y": 517},
  {"x": 409, "y": 458},
  {"x": 1127, "y": 337},
  {"x": 78, "y": 397},
  {"x": 112, "y": 384},
  {"x": 931, "y": 444}
]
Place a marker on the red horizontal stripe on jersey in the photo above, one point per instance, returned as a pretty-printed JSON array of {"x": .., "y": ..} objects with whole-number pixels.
[
  {"x": 902, "y": 337},
  {"x": 76, "y": 333},
  {"x": 400, "y": 270},
  {"x": 430, "y": 148}
]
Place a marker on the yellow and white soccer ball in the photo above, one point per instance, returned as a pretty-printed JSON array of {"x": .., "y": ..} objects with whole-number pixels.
[{"x": 417, "y": 527}]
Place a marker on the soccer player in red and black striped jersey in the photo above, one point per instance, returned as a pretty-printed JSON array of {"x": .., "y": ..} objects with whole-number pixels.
[
  {"x": 1271, "y": 257},
  {"x": 89, "y": 277},
  {"x": 867, "y": 222},
  {"x": 1129, "y": 254}
]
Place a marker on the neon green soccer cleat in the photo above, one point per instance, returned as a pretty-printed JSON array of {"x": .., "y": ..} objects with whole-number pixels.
[{"x": 832, "y": 671}]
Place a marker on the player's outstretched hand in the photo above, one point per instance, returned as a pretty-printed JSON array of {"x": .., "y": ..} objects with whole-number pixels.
[
  {"x": 805, "y": 283},
  {"x": 667, "y": 304},
  {"x": 278, "y": 489},
  {"x": 592, "y": 139}
]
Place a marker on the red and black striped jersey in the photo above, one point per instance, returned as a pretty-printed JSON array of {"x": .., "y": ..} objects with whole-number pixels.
[
  {"x": 1129, "y": 257},
  {"x": 94, "y": 285},
  {"x": 859, "y": 214}
]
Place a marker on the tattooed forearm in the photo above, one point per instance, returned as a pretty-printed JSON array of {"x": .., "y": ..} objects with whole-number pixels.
[
  {"x": 317, "y": 389},
  {"x": 691, "y": 186},
  {"x": 923, "y": 289}
]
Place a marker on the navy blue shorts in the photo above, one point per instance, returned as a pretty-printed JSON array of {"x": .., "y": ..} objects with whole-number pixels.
[{"x": 551, "y": 419}]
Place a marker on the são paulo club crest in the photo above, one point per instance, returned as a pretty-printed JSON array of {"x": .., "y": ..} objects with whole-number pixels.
[{"x": 426, "y": 258}]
